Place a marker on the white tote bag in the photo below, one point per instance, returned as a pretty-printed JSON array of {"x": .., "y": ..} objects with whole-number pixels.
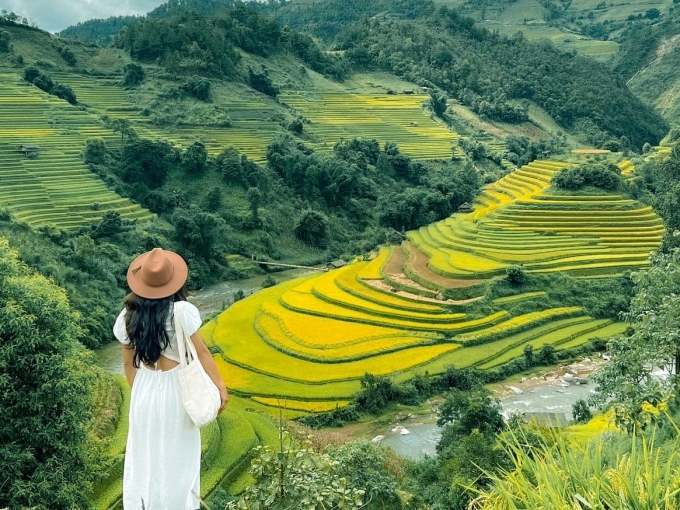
[{"x": 200, "y": 396}]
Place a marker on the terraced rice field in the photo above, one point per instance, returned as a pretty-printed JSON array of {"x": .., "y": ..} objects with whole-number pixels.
[
  {"x": 514, "y": 222},
  {"x": 394, "y": 118},
  {"x": 309, "y": 341},
  {"x": 56, "y": 187},
  {"x": 251, "y": 129},
  {"x": 226, "y": 446},
  {"x": 333, "y": 116}
]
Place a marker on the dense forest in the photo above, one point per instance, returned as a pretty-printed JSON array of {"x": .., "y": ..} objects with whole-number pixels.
[{"x": 491, "y": 74}]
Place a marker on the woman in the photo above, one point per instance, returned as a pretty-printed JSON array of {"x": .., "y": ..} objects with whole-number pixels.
[{"x": 163, "y": 453}]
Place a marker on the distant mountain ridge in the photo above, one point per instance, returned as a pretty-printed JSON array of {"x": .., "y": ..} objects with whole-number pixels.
[{"x": 434, "y": 47}]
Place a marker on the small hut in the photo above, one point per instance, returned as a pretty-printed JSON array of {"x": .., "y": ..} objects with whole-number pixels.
[
  {"x": 28, "y": 149},
  {"x": 336, "y": 264},
  {"x": 409, "y": 91},
  {"x": 465, "y": 207}
]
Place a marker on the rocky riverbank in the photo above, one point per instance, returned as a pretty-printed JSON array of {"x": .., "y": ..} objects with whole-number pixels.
[{"x": 571, "y": 374}]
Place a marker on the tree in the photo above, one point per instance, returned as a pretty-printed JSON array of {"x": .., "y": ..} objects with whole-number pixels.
[
  {"x": 213, "y": 201},
  {"x": 466, "y": 411},
  {"x": 44, "y": 393},
  {"x": 124, "y": 128},
  {"x": 198, "y": 232},
  {"x": 626, "y": 382},
  {"x": 229, "y": 164},
  {"x": 110, "y": 225},
  {"x": 95, "y": 151},
  {"x": 581, "y": 411},
  {"x": 195, "y": 158},
  {"x": 199, "y": 88},
  {"x": 254, "y": 198},
  {"x": 68, "y": 56},
  {"x": 438, "y": 103},
  {"x": 312, "y": 228},
  {"x": 546, "y": 355},
  {"x": 261, "y": 82},
  {"x": 134, "y": 75},
  {"x": 515, "y": 275},
  {"x": 64, "y": 92},
  {"x": 653, "y": 13},
  {"x": 375, "y": 393},
  {"x": 147, "y": 162},
  {"x": 5, "y": 41},
  {"x": 529, "y": 356}
]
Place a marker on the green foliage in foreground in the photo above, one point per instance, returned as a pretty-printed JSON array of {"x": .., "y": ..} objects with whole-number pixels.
[
  {"x": 627, "y": 381},
  {"x": 45, "y": 381},
  {"x": 353, "y": 475},
  {"x": 566, "y": 476}
]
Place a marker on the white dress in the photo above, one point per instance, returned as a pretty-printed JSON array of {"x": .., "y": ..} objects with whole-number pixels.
[{"x": 163, "y": 453}]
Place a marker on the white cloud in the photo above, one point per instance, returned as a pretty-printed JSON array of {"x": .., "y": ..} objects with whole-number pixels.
[{"x": 55, "y": 15}]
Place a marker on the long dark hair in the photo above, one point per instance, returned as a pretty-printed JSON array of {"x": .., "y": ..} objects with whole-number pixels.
[{"x": 145, "y": 321}]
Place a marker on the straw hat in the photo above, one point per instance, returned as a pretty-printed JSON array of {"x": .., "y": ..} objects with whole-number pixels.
[{"x": 157, "y": 274}]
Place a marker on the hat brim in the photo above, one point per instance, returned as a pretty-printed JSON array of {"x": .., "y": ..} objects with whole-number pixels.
[{"x": 143, "y": 289}]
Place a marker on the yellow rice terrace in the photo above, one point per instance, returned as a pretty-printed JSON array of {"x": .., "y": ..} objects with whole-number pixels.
[{"x": 421, "y": 306}]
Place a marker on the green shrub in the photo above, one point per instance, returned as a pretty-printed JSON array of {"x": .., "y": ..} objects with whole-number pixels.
[
  {"x": 261, "y": 82},
  {"x": 64, "y": 92},
  {"x": 581, "y": 412},
  {"x": 134, "y": 75},
  {"x": 515, "y": 275},
  {"x": 606, "y": 176}
]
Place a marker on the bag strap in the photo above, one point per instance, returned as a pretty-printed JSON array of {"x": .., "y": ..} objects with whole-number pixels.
[{"x": 183, "y": 339}]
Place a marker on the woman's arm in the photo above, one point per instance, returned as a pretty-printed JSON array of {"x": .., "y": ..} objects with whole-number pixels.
[
  {"x": 210, "y": 368},
  {"x": 130, "y": 370}
]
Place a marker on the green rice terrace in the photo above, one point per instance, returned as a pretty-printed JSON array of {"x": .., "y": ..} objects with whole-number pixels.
[
  {"x": 414, "y": 308},
  {"x": 332, "y": 116},
  {"x": 57, "y": 188}
]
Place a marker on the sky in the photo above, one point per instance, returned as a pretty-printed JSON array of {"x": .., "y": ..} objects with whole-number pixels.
[{"x": 55, "y": 15}]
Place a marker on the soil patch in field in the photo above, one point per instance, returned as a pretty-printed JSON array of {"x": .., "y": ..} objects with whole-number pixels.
[
  {"x": 418, "y": 263},
  {"x": 378, "y": 284}
]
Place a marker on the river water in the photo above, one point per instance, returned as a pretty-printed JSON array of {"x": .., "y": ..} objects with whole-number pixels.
[{"x": 424, "y": 434}]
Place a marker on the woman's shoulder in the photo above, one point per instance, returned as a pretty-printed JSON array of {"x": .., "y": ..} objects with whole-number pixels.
[
  {"x": 186, "y": 307},
  {"x": 190, "y": 314},
  {"x": 119, "y": 330}
]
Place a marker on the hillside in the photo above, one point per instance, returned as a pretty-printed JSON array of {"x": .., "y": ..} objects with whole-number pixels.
[
  {"x": 452, "y": 166},
  {"x": 433, "y": 301},
  {"x": 492, "y": 75}
]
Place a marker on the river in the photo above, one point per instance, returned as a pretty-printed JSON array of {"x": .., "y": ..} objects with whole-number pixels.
[{"x": 424, "y": 435}]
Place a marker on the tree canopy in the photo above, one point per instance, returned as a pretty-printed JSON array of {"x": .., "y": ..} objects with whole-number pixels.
[{"x": 44, "y": 393}]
